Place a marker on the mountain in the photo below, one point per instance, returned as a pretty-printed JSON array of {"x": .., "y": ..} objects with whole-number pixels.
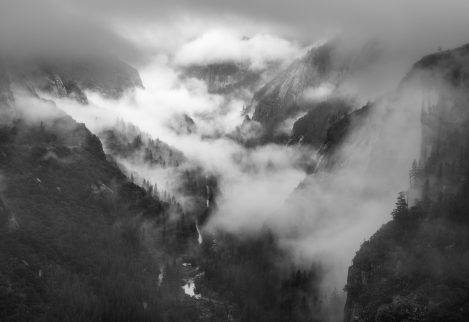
[
  {"x": 70, "y": 227},
  {"x": 182, "y": 124},
  {"x": 127, "y": 141},
  {"x": 312, "y": 128},
  {"x": 178, "y": 177},
  {"x": 371, "y": 149},
  {"x": 6, "y": 95},
  {"x": 89, "y": 234},
  {"x": 313, "y": 77},
  {"x": 110, "y": 226},
  {"x": 224, "y": 78},
  {"x": 224, "y": 262},
  {"x": 72, "y": 77},
  {"x": 415, "y": 267},
  {"x": 79, "y": 240}
]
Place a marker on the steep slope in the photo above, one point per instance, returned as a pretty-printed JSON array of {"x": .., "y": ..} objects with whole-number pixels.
[
  {"x": 182, "y": 124},
  {"x": 72, "y": 77},
  {"x": 415, "y": 267},
  {"x": 127, "y": 141},
  {"x": 165, "y": 169},
  {"x": 227, "y": 268},
  {"x": 79, "y": 241},
  {"x": 313, "y": 127},
  {"x": 322, "y": 70},
  {"x": 6, "y": 96},
  {"x": 224, "y": 78}
]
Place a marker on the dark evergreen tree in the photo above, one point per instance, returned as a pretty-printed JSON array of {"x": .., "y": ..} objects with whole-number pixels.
[
  {"x": 402, "y": 208},
  {"x": 413, "y": 173}
]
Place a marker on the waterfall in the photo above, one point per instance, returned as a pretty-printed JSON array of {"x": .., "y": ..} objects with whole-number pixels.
[
  {"x": 208, "y": 195},
  {"x": 199, "y": 239},
  {"x": 160, "y": 276}
]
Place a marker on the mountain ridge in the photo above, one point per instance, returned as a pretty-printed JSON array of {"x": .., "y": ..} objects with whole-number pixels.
[{"x": 387, "y": 281}]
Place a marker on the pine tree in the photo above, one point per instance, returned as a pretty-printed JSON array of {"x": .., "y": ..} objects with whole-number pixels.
[
  {"x": 413, "y": 173},
  {"x": 401, "y": 209},
  {"x": 137, "y": 142}
]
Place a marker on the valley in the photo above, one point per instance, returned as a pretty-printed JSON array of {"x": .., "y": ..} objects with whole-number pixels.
[{"x": 250, "y": 181}]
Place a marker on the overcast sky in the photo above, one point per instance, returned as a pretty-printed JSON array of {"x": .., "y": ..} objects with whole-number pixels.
[{"x": 136, "y": 27}]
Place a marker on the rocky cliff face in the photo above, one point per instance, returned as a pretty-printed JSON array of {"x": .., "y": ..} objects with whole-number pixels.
[
  {"x": 6, "y": 96},
  {"x": 414, "y": 268},
  {"x": 322, "y": 69},
  {"x": 224, "y": 78},
  {"x": 71, "y": 78},
  {"x": 313, "y": 127}
]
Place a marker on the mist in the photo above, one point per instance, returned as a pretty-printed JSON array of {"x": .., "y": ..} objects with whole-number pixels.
[{"x": 321, "y": 217}]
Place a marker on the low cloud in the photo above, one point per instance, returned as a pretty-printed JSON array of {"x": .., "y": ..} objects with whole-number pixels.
[
  {"x": 319, "y": 93},
  {"x": 325, "y": 219},
  {"x": 222, "y": 46},
  {"x": 331, "y": 213}
]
